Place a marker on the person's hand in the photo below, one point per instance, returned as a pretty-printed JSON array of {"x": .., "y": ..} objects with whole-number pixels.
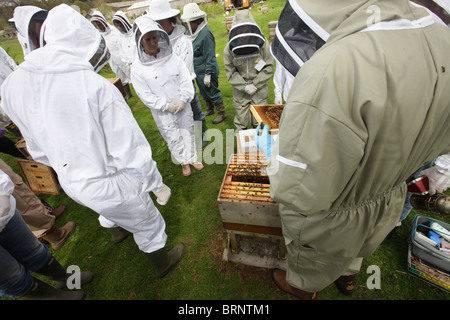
[
  {"x": 175, "y": 107},
  {"x": 162, "y": 195},
  {"x": 438, "y": 182},
  {"x": 278, "y": 99},
  {"x": 5, "y": 206},
  {"x": 207, "y": 80},
  {"x": 264, "y": 141},
  {"x": 250, "y": 89}
]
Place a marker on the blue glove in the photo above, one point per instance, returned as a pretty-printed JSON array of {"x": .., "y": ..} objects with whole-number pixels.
[{"x": 264, "y": 141}]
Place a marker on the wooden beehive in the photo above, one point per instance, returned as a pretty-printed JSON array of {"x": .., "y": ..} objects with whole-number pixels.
[
  {"x": 272, "y": 29},
  {"x": 228, "y": 22},
  {"x": 118, "y": 83},
  {"x": 39, "y": 177},
  {"x": 22, "y": 147},
  {"x": 244, "y": 198},
  {"x": 270, "y": 114}
]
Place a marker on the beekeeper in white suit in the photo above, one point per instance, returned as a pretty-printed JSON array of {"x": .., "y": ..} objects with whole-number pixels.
[
  {"x": 164, "y": 84},
  {"x": 112, "y": 37},
  {"x": 102, "y": 158},
  {"x": 168, "y": 18}
]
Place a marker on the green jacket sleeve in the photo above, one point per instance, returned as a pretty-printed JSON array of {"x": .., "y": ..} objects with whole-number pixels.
[{"x": 209, "y": 53}]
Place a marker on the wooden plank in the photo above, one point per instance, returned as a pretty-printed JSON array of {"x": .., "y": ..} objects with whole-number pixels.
[{"x": 252, "y": 228}]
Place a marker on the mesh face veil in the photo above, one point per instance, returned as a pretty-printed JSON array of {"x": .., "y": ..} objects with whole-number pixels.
[
  {"x": 141, "y": 27},
  {"x": 246, "y": 39},
  {"x": 101, "y": 56},
  {"x": 294, "y": 42}
]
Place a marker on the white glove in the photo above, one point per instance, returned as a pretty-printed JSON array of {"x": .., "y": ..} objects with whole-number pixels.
[
  {"x": 162, "y": 195},
  {"x": 438, "y": 182},
  {"x": 250, "y": 89},
  {"x": 278, "y": 99},
  {"x": 207, "y": 80},
  {"x": 175, "y": 107},
  {"x": 5, "y": 206}
]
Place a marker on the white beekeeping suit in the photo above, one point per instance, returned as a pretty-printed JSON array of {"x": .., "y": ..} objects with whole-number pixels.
[
  {"x": 102, "y": 158},
  {"x": 160, "y": 82},
  {"x": 112, "y": 38},
  {"x": 127, "y": 42},
  {"x": 7, "y": 65},
  {"x": 23, "y": 16},
  {"x": 7, "y": 201}
]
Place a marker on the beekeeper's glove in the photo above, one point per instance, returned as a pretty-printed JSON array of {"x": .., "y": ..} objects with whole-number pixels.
[
  {"x": 278, "y": 99},
  {"x": 438, "y": 182},
  {"x": 175, "y": 107},
  {"x": 5, "y": 206},
  {"x": 207, "y": 80},
  {"x": 264, "y": 141},
  {"x": 250, "y": 89},
  {"x": 162, "y": 195}
]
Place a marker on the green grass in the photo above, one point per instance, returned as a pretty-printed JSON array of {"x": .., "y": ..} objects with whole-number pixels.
[{"x": 192, "y": 216}]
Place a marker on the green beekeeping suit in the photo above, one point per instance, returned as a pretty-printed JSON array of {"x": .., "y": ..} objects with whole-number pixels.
[
  {"x": 373, "y": 107},
  {"x": 247, "y": 67},
  {"x": 205, "y": 62}
]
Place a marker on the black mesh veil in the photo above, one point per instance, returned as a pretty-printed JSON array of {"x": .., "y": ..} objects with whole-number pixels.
[{"x": 294, "y": 41}]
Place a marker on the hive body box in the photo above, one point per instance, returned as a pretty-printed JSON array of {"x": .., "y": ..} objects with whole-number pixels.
[{"x": 249, "y": 216}]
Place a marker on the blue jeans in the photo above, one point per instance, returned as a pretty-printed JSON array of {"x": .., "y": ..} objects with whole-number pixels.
[
  {"x": 408, "y": 207},
  {"x": 20, "y": 254},
  {"x": 196, "y": 106}
]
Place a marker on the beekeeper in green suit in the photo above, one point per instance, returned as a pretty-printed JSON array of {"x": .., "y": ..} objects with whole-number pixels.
[
  {"x": 206, "y": 66},
  {"x": 358, "y": 121},
  {"x": 249, "y": 66}
]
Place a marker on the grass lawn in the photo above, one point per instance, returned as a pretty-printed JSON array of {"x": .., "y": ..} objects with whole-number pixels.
[{"x": 192, "y": 216}]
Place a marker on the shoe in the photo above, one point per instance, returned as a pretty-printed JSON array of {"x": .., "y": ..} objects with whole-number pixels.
[
  {"x": 279, "y": 277},
  {"x": 164, "y": 261},
  {"x": 197, "y": 165},
  {"x": 346, "y": 284},
  {"x": 40, "y": 290},
  {"x": 118, "y": 234},
  {"x": 59, "y": 211},
  {"x": 56, "y": 272},
  {"x": 57, "y": 237},
  {"x": 186, "y": 170}
]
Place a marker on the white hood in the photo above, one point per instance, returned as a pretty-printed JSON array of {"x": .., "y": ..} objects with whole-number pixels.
[
  {"x": 144, "y": 25},
  {"x": 99, "y": 17},
  {"x": 121, "y": 18},
  {"x": 72, "y": 43},
  {"x": 22, "y": 18}
]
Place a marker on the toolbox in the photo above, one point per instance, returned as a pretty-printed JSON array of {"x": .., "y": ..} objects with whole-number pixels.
[{"x": 428, "y": 257}]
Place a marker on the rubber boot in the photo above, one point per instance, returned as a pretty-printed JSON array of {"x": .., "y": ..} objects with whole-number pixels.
[
  {"x": 42, "y": 291},
  {"x": 204, "y": 137},
  {"x": 56, "y": 272},
  {"x": 127, "y": 90},
  {"x": 57, "y": 237},
  {"x": 118, "y": 234},
  {"x": 209, "y": 108},
  {"x": 164, "y": 261},
  {"x": 220, "y": 113}
]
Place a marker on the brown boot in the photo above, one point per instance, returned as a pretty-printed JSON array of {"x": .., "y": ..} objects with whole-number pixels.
[
  {"x": 346, "y": 284},
  {"x": 59, "y": 211},
  {"x": 209, "y": 108},
  {"x": 220, "y": 113},
  {"x": 279, "y": 277},
  {"x": 58, "y": 236}
]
